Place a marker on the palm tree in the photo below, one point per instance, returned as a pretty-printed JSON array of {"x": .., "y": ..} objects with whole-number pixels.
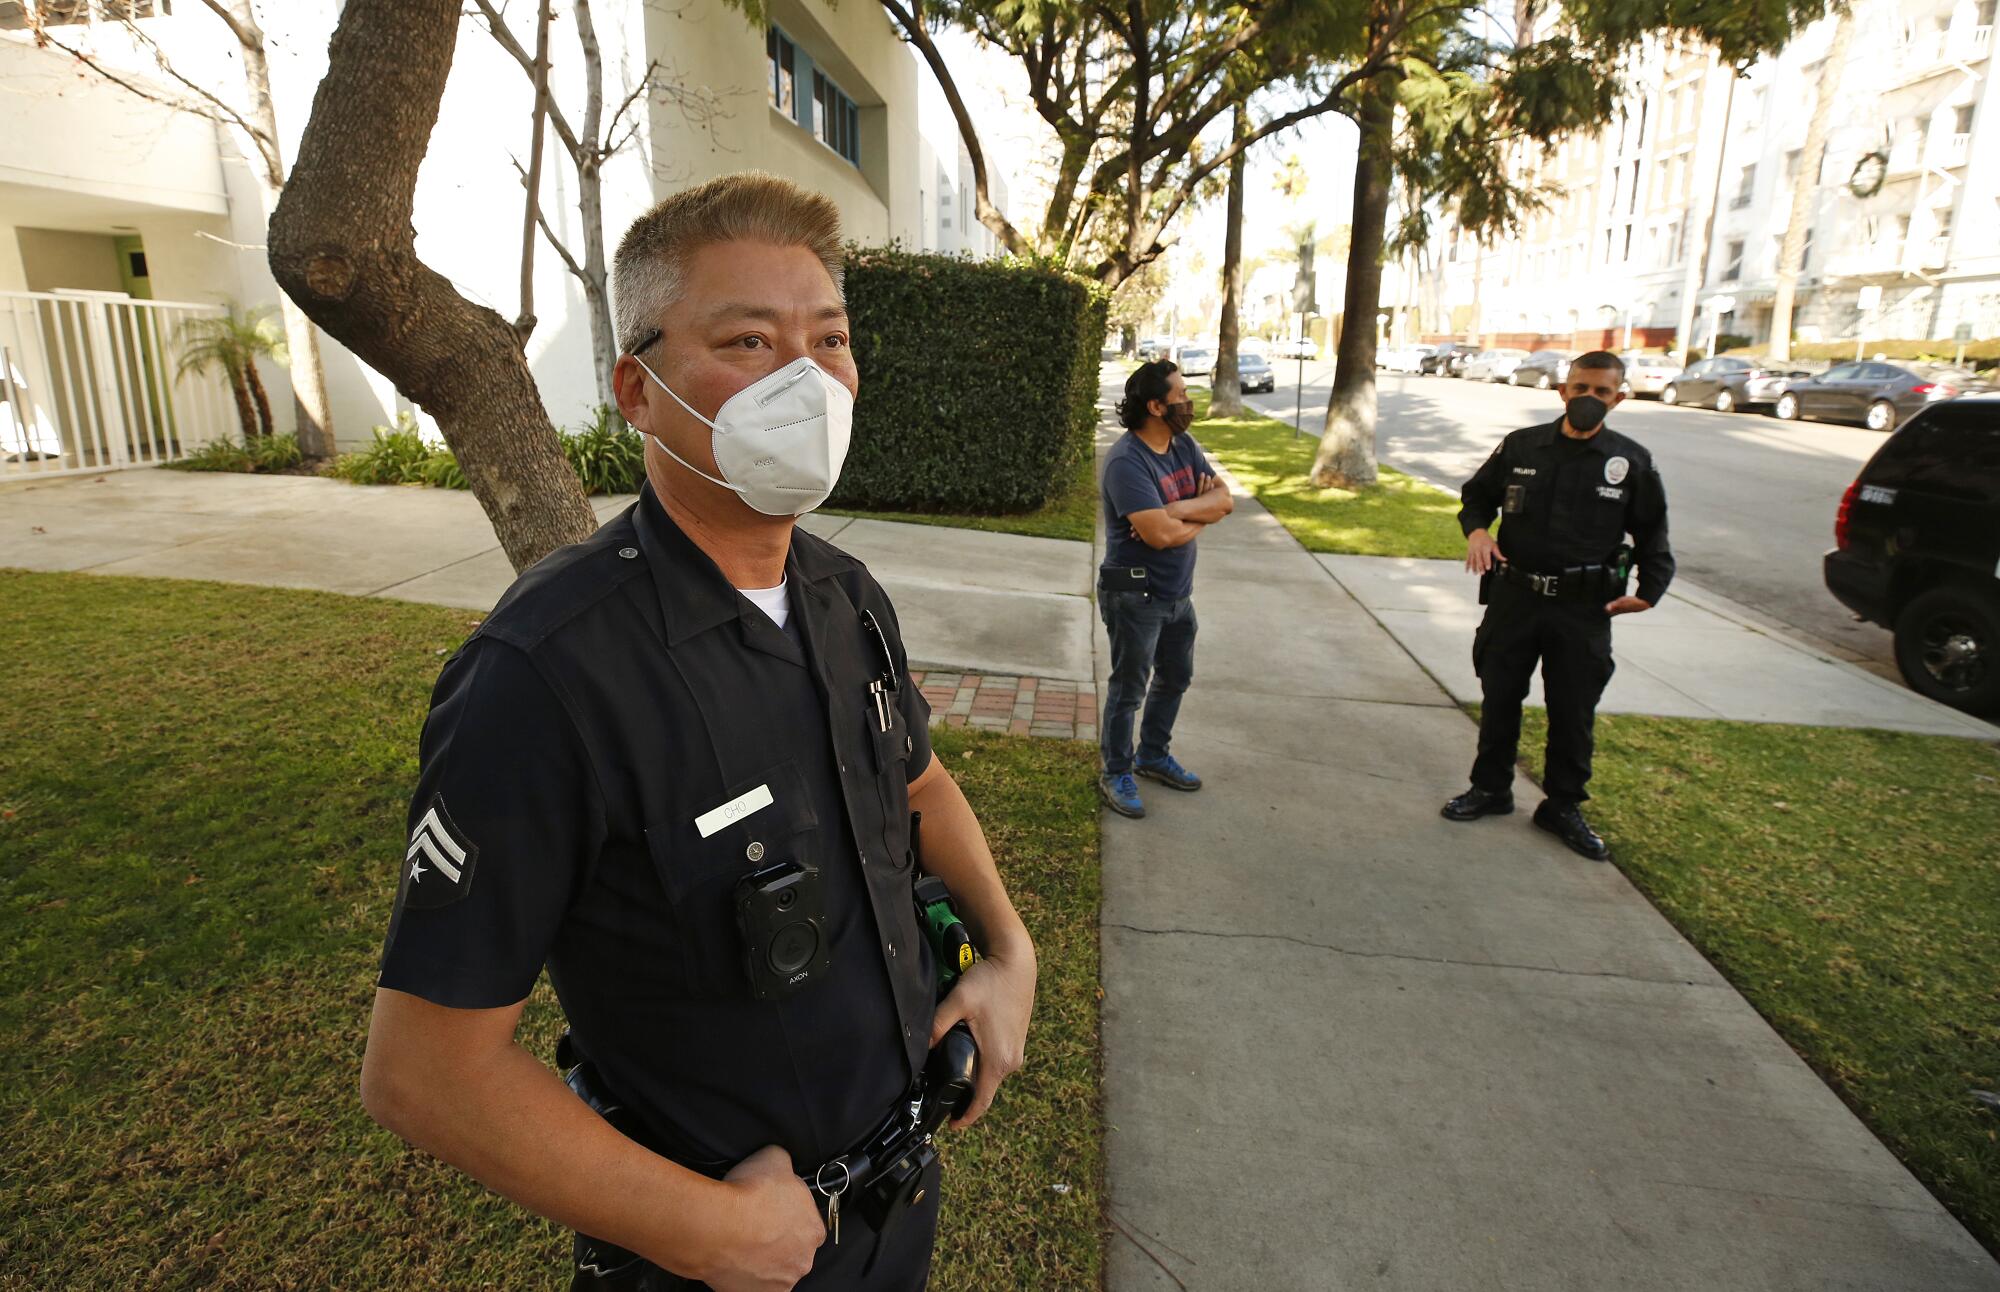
[{"x": 234, "y": 342}]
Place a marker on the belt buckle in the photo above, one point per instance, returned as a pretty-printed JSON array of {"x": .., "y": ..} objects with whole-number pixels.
[{"x": 1545, "y": 584}]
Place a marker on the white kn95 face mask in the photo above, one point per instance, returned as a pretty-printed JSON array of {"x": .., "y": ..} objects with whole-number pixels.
[{"x": 780, "y": 441}]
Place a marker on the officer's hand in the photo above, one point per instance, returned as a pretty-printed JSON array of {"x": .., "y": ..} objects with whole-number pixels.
[
  {"x": 1481, "y": 552},
  {"x": 994, "y": 998},
  {"x": 1627, "y": 606},
  {"x": 778, "y": 1231}
]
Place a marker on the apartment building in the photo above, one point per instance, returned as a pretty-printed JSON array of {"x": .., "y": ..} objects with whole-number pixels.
[
  {"x": 1907, "y": 202},
  {"x": 107, "y": 197}
]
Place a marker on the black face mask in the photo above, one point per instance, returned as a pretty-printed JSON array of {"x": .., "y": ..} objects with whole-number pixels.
[
  {"x": 1586, "y": 413},
  {"x": 1179, "y": 417}
]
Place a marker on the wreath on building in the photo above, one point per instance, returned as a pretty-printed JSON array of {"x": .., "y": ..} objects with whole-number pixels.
[{"x": 1869, "y": 172}]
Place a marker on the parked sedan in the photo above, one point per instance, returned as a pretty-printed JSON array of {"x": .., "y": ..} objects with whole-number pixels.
[
  {"x": 1648, "y": 374},
  {"x": 1732, "y": 382},
  {"x": 1877, "y": 395},
  {"x": 1196, "y": 360},
  {"x": 1762, "y": 388},
  {"x": 1493, "y": 365},
  {"x": 1253, "y": 373},
  {"x": 1438, "y": 362},
  {"x": 1544, "y": 370},
  {"x": 1715, "y": 382},
  {"x": 1408, "y": 358},
  {"x": 1295, "y": 348}
]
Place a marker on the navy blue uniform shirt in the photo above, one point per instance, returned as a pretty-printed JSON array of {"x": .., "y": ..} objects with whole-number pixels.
[
  {"x": 623, "y": 738},
  {"x": 1564, "y": 502}
]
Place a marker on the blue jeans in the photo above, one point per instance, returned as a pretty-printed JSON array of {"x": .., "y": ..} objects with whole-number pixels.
[{"x": 1152, "y": 657}]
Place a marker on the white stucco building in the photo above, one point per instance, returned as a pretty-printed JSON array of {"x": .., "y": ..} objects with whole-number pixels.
[{"x": 104, "y": 192}]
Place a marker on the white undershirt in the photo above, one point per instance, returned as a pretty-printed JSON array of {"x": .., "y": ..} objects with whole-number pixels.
[{"x": 775, "y": 602}]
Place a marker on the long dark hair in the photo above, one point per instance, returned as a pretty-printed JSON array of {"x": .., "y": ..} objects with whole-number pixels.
[{"x": 1147, "y": 383}]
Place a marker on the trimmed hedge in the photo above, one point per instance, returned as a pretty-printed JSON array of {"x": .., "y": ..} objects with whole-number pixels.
[{"x": 978, "y": 382}]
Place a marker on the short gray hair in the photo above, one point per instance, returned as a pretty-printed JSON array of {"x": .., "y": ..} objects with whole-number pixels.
[{"x": 650, "y": 270}]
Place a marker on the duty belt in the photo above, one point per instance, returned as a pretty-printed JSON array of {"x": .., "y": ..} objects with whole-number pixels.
[
  {"x": 1572, "y": 582},
  {"x": 885, "y": 1173}
]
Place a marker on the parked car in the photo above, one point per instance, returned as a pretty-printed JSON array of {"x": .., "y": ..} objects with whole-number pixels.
[
  {"x": 1764, "y": 386},
  {"x": 1437, "y": 362},
  {"x": 1648, "y": 374},
  {"x": 1295, "y": 348},
  {"x": 1878, "y": 395},
  {"x": 1253, "y": 373},
  {"x": 1154, "y": 347},
  {"x": 1455, "y": 366},
  {"x": 1196, "y": 360},
  {"x": 1493, "y": 365},
  {"x": 1544, "y": 370},
  {"x": 1408, "y": 358},
  {"x": 1715, "y": 382},
  {"x": 1917, "y": 549},
  {"x": 1733, "y": 382}
]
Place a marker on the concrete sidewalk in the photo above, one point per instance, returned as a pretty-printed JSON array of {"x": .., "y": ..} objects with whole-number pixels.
[
  {"x": 1696, "y": 656},
  {"x": 1348, "y": 1043},
  {"x": 985, "y": 603}
]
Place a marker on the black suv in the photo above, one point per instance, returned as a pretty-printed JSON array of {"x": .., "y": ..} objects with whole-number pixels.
[{"x": 1918, "y": 550}]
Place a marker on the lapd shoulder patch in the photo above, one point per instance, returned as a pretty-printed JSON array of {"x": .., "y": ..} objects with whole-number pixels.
[
  {"x": 437, "y": 866},
  {"x": 1615, "y": 470}
]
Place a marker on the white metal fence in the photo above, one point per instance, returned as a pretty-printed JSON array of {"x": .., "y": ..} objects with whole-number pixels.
[{"x": 88, "y": 383}]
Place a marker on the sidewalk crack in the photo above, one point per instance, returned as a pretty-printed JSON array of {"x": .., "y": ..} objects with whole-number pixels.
[{"x": 1417, "y": 959}]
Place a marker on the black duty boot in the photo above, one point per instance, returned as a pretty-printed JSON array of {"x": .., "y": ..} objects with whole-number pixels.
[
  {"x": 1476, "y": 803},
  {"x": 1565, "y": 821}
]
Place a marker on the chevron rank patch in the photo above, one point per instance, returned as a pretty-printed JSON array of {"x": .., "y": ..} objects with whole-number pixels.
[{"x": 437, "y": 867}]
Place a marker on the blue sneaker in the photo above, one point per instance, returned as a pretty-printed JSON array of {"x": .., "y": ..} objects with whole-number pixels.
[
  {"x": 1170, "y": 774},
  {"x": 1121, "y": 794}
]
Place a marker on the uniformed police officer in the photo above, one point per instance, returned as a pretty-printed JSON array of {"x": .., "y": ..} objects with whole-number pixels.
[
  {"x": 698, "y": 692},
  {"x": 1568, "y": 493}
]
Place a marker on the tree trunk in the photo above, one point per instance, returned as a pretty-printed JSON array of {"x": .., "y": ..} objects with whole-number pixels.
[
  {"x": 1227, "y": 383},
  {"x": 1805, "y": 188},
  {"x": 308, "y": 374},
  {"x": 246, "y": 412},
  {"x": 259, "y": 398},
  {"x": 1346, "y": 457},
  {"x": 596, "y": 291},
  {"x": 590, "y": 204},
  {"x": 524, "y": 322},
  {"x": 342, "y": 246},
  {"x": 1695, "y": 278}
]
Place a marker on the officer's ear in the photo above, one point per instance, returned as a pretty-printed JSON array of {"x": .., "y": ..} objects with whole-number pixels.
[{"x": 628, "y": 386}]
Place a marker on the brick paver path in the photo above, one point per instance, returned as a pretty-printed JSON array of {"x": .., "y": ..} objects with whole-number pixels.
[{"x": 1025, "y": 706}]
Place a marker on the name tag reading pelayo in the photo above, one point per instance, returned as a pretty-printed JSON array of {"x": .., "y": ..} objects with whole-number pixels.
[{"x": 733, "y": 811}]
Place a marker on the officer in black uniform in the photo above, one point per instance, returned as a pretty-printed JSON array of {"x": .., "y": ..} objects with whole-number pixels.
[
  {"x": 697, "y": 694},
  {"x": 1568, "y": 494}
]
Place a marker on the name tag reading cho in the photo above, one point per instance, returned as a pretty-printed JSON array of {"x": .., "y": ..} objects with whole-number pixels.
[{"x": 733, "y": 811}]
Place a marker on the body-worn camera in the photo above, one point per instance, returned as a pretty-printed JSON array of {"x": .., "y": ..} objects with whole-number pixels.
[{"x": 782, "y": 914}]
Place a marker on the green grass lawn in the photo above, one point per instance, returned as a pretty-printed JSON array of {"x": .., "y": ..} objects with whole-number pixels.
[
  {"x": 1071, "y": 515},
  {"x": 202, "y": 793},
  {"x": 1848, "y": 883},
  {"x": 1400, "y": 516}
]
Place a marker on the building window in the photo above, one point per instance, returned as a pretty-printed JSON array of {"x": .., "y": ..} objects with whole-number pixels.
[
  {"x": 836, "y": 120},
  {"x": 1746, "y": 188},
  {"x": 1628, "y": 242},
  {"x": 782, "y": 57},
  {"x": 816, "y": 103},
  {"x": 1632, "y": 205},
  {"x": 1792, "y": 161},
  {"x": 1734, "y": 269},
  {"x": 1962, "y": 123}
]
